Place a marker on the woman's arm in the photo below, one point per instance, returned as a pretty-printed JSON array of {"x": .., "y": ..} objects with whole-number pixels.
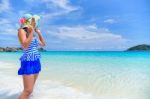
[
  {"x": 41, "y": 39},
  {"x": 25, "y": 41}
]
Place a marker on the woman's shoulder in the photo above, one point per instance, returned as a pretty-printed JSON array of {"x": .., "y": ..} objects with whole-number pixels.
[{"x": 21, "y": 30}]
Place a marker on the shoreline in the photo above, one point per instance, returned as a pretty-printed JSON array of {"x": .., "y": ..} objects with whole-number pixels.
[{"x": 16, "y": 49}]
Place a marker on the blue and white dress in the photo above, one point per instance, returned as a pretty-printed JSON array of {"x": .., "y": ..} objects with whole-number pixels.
[{"x": 30, "y": 60}]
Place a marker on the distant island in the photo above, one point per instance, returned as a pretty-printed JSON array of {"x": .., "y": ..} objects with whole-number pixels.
[
  {"x": 14, "y": 49},
  {"x": 142, "y": 47}
]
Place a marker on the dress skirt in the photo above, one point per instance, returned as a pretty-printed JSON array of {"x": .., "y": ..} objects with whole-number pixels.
[{"x": 29, "y": 67}]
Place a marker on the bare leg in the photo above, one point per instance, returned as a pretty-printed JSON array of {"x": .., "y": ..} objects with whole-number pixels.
[
  {"x": 35, "y": 77},
  {"x": 28, "y": 81}
]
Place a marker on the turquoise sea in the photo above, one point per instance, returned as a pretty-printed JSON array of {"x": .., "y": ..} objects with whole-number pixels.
[{"x": 81, "y": 75}]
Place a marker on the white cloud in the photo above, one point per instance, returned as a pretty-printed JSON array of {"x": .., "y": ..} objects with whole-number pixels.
[
  {"x": 55, "y": 6},
  {"x": 63, "y": 4},
  {"x": 82, "y": 37},
  {"x": 8, "y": 33},
  {"x": 7, "y": 27},
  {"x": 47, "y": 9},
  {"x": 56, "y": 9},
  {"x": 8, "y": 23},
  {"x": 4, "y": 21},
  {"x": 110, "y": 21},
  {"x": 88, "y": 33},
  {"x": 4, "y": 6}
]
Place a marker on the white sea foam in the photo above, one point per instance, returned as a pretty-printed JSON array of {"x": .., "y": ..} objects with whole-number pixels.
[
  {"x": 4, "y": 65},
  {"x": 11, "y": 86},
  {"x": 56, "y": 90}
]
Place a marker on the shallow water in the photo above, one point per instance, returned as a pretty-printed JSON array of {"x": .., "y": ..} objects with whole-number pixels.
[{"x": 81, "y": 75}]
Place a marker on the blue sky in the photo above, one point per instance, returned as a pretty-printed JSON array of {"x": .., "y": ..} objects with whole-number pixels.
[{"x": 80, "y": 24}]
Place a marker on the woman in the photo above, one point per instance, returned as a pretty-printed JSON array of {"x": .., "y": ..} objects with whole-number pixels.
[{"x": 30, "y": 60}]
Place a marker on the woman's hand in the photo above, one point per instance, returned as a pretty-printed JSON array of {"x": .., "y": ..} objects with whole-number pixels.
[
  {"x": 41, "y": 39},
  {"x": 30, "y": 29},
  {"x": 37, "y": 30}
]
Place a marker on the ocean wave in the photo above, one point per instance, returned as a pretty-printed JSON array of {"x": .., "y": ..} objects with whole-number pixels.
[
  {"x": 11, "y": 87},
  {"x": 56, "y": 90}
]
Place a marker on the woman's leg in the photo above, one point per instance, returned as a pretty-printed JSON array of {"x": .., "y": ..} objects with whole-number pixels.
[
  {"x": 35, "y": 77},
  {"x": 28, "y": 81}
]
